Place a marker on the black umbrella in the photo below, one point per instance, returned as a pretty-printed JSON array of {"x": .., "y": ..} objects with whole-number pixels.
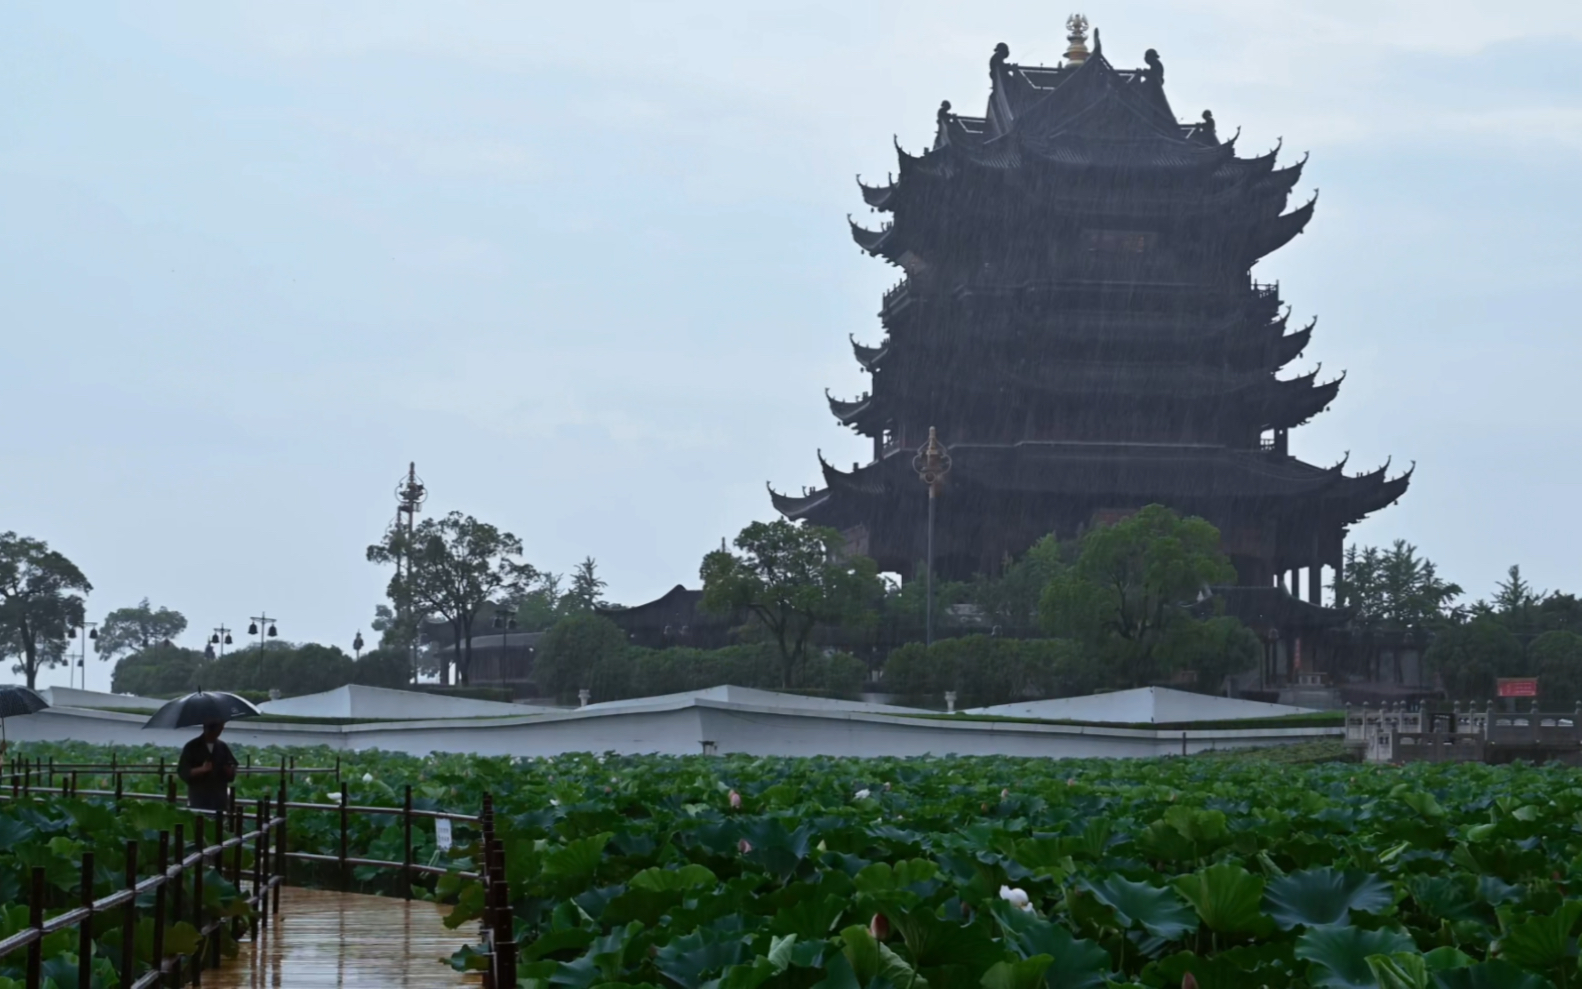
[
  {"x": 15, "y": 701},
  {"x": 200, "y": 709}
]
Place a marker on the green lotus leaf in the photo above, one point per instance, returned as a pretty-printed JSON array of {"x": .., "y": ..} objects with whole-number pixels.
[
  {"x": 578, "y": 859},
  {"x": 1490, "y": 975},
  {"x": 1340, "y": 954},
  {"x": 690, "y": 876},
  {"x": 1077, "y": 963},
  {"x": 871, "y": 960},
  {"x": 1026, "y": 973},
  {"x": 1541, "y": 943},
  {"x": 1156, "y": 909},
  {"x": 1325, "y": 896},
  {"x": 1402, "y": 970},
  {"x": 1227, "y": 897},
  {"x": 809, "y": 919}
]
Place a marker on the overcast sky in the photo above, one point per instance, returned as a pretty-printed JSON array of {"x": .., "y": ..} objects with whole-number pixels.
[{"x": 587, "y": 264}]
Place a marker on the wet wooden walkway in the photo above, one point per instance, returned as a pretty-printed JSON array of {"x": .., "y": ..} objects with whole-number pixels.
[{"x": 322, "y": 939}]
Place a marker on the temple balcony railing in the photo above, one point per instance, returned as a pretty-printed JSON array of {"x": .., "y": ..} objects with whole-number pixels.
[
  {"x": 1266, "y": 291},
  {"x": 899, "y": 295}
]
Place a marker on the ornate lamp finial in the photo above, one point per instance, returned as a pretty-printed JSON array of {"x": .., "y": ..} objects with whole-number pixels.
[
  {"x": 1077, "y": 28},
  {"x": 932, "y": 462}
]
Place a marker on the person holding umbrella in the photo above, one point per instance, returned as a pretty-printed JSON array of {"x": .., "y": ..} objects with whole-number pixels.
[
  {"x": 16, "y": 701},
  {"x": 207, "y": 765}
]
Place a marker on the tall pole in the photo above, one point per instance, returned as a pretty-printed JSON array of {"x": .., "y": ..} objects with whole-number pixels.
[
  {"x": 928, "y": 627},
  {"x": 932, "y": 463},
  {"x": 265, "y": 627},
  {"x": 89, "y": 630},
  {"x": 410, "y": 495}
]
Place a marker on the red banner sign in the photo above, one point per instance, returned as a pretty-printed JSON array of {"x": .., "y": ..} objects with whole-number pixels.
[{"x": 1518, "y": 686}]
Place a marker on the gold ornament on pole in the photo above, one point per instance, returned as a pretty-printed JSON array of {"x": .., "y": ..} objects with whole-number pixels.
[{"x": 932, "y": 463}]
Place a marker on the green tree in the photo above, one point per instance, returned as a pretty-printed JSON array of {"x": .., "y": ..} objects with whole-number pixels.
[
  {"x": 1129, "y": 596},
  {"x": 383, "y": 668},
  {"x": 1394, "y": 588},
  {"x": 40, "y": 602},
  {"x": 396, "y": 631},
  {"x": 453, "y": 566},
  {"x": 790, "y": 578},
  {"x": 1515, "y": 601},
  {"x": 985, "y": 670},
  {"x": 587, "y": 588},
  {"x": 582, "y": 652},
  {"x": 158, "y": 671},
  {"x": 137, "y": 628},
  {"x": 1557, "y": 662},
  {"x": 540, "y": 608},
  {"x": 1470, "y": 655},
  {"x": 1012, "y": 598}
]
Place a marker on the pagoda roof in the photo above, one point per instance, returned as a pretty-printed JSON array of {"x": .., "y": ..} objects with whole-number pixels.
[
  {"x": 1175, "y": 474},
  {"x": 869, "y": 357},
  {"x": 1256, "y": 395},
  {"x": 859, "y": 412},
  {"x": 1274, "y": 607}
]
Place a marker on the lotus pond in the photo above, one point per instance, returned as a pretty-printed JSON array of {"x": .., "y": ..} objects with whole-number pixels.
[{"x": 736, "y": 872}]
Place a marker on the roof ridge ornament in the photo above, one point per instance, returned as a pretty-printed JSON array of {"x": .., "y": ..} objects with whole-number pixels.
[{"x": 1077, "y": 35}]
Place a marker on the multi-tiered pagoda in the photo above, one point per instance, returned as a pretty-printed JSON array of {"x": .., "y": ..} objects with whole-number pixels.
[{"x": 1080, "y": 321}]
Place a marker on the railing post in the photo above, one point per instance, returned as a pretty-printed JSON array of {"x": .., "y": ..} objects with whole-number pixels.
[
  {"x": 179, "y": 857},
  {"x": 281, "y": 843},
  {"x": 237, "y": 830},
  {"x": 129, "y": 919},
  {"x": 118, "y": 782},
  {"x": 170, "y": 789},
  {"x": 35, "y": 918},
  {"x": 85, "y": 929},
  {"x": 260, "y": 855},
  {"x": 345, "y": 875},
  {"x": 199, "y": 840},
  {"x": 406, "y": 858},
  {"x": 161, "y": 898}
]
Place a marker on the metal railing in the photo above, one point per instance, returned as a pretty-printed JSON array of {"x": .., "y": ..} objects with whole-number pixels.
[
  {"x": 270, "y": 862},
  {"x": 168, "y": 884},
  {"x": 48, "y": 769}
]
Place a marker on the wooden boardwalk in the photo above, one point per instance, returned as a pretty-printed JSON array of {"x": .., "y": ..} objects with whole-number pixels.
[{"x": 322, "y": 939}]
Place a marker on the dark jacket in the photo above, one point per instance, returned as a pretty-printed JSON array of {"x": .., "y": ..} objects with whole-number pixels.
[{"x": 206, "y": 792}]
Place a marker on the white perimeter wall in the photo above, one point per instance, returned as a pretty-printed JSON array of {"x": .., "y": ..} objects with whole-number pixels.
[{"x": 681, "y": 728}]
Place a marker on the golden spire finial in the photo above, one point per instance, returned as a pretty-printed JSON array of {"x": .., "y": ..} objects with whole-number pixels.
[{"x": 1077, "y": 28}]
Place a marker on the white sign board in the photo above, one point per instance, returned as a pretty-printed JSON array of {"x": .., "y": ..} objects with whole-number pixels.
[{"x": 442, "y": 833}]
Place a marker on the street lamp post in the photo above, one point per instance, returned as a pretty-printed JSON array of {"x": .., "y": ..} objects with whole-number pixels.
[
  {"x": 505, "y": 621},
  {"x": 221, "y": 638},
  {"x": 932, "y": 463},
  {"x": 264, "y": 627},
  {"x": 82, "y": 656},
  {"x": 357, "y": 644}
]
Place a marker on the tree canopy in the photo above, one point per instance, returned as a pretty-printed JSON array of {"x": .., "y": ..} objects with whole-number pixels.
[
  {"x": 141, "y": 626},
  {"x": 1130, "y": 594},
  {"x": 1394, "y": 588},
  {"x": 790, "y": 578},
  {"x": 40, "y": 603},
  {"x": 452, "y": 567}
]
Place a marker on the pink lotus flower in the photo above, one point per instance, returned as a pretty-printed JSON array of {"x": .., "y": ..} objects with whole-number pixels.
[
  {"x": 879, "y": 927},
  {"x": 1071, "y": 781},
  {"x": 1189, "y": 981},
  {"x": 1005, "y": 793},
  {"x": 744, "y": 846},
  {"x": 736, "y": 800}
]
